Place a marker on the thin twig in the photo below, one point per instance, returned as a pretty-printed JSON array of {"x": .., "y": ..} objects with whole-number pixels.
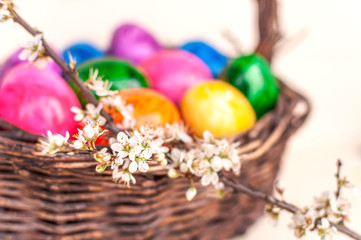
[
  {"x": 71, "y": 73},
  {"x": 338, "y": 178},
  {"x": 233, "y": 40},
  {"x": 240, "y": 188}
]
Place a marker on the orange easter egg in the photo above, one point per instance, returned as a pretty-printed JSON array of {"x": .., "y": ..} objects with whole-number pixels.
[{"x": 150, "y": 107}]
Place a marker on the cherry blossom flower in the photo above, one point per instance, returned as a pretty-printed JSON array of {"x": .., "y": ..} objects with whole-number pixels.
[
  {"x": 33, "y": 49},
  {"x": 5, "y": 13},
  {"x": 121, "y": 175},
  {"x": 90, "y": 114},
  {"x": 120, "y": 105},
  {"x": 97, "y": 84},
  {"x": 176, "y": 131},
  {"x": 88, "y": 136},
  {"x": 72, "y": 61},
  {"x": 54, "y": 143}
]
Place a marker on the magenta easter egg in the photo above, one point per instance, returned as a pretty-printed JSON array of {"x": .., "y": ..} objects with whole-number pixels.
[
  {"x": 173, "y": 72},
  {"x": 14, "y": 60},
  {"x": 37, "y": 100},
  {"x": 133, "y": 43}
]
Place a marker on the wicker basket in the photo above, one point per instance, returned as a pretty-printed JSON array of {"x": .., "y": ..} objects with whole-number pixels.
[{"x": 62, "y": 197}]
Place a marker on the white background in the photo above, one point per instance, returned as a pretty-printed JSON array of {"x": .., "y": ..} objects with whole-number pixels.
[{"x": 322, "y": 59}]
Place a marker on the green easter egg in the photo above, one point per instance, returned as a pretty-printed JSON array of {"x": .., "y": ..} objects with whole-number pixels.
[
  {"x": 252, "y": 75},
  {"x": 121, "y": 74}
]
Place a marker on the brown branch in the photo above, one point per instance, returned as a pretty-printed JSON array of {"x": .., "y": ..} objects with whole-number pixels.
[
  {"x": 268, "y": 26},
  {"x": 338, "y": 178},
  {"x": 240, "y": 188},
  {"x": 17, "y": 133},
  {"x": 71, "y": 73}
]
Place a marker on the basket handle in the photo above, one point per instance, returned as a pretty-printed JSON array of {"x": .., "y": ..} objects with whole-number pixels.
[{"x": 268, "y": 28}]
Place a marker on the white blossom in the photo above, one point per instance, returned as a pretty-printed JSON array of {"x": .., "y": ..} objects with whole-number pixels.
[
  {"x": 33, "y": 49},
  {"x": 176, "y": 131},
  {"x": 121, "y": 175},
  {"x": 322, "y": 201},
  {"x": 299, "y": 224},
  {"x": 5, "y": 13},
  {"x": 88, "y": 135},
  {"x": 72, "y": 61},
  {"x": 102, "y": 156},
  {"x": 324, "y": 223},
  {"x": 90, "y": 114},
  {"x": 97, "y": 84},
  {"x": 54, "y": 143},
  {"x": 127, "y": 110},
  {"x": 191, "y": 193},
  {"x": 338, "y": 209}
]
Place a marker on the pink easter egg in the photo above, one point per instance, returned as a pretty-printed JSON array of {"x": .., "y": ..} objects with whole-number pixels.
[
  {"x": 173, "y": 72},
  {"x": 37, "y": 100},
  {"x": 14, "y": 60}
]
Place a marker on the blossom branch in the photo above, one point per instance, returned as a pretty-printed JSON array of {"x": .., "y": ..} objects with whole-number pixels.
[
  {"x": 240, "y": 188},
  {"x": 70, "y": 72}
]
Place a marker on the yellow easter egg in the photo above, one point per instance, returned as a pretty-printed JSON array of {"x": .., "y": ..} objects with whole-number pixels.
[{"x": 218, "y": 107}]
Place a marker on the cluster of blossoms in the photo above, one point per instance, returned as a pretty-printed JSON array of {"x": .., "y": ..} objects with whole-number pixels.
[
  {"x": 322, "y": 217},
  {"x": 206, "y": 160},
  {"x": 326, "y": 210},
  {"x": 85, "y": 139},
  {"x": 5, "y": 10},
  {"x": 135, "y": 149},
  {"x": 133, "y": 153}
]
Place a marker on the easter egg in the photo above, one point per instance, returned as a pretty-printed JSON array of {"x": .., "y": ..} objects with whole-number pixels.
[
  {"x": 252, "y": 75},
  {"x": 133, "y": 43},
  {"x": 37, "y": 100},
  {"x": 213, "y": 58},
  {"x": 82, "y": 52},
  {"x": 150, "y": 107},
  {"x": 217, "y": 107},
  {"x": 121, "y": 74},
  {"x": 14, "y": 60},
  {"x": 172, "y": 72}
]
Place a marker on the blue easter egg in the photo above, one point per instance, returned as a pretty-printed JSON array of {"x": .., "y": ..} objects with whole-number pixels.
[
  {"x": 82, "y": 52},
  {"x": 214, "y": 59}
]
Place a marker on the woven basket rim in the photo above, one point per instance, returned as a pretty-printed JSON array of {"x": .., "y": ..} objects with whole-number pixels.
[{"x": 283, "y": 121}]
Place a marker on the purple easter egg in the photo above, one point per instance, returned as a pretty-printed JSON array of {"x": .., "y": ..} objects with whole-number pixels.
[
  {"x": 133, "y": 43},
  {"x": 14, "y": 60},
  {"x": 37, "y": 100},
  {"x": 172, "y": 72}
]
